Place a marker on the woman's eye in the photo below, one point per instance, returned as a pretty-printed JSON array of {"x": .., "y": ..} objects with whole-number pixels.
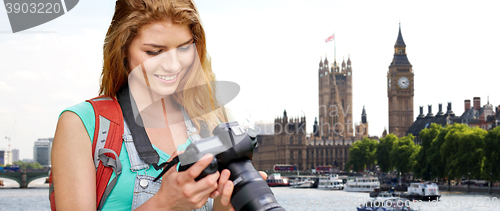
[
  {"x": 184, "y": 48},
  {"x": 154, "y": 53}
]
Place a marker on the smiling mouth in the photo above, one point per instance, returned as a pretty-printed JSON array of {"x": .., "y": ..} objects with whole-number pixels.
[{"x": 167, "y": 78}]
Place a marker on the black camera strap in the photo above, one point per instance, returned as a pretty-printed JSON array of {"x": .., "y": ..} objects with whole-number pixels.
[
  {"x": 167, "y": 165},
  {"x": 230, "y": 134},
  {"x": 141, "y": 139}
]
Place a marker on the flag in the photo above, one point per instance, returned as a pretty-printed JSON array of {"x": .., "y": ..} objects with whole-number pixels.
[{"x": 330, "y": 38}]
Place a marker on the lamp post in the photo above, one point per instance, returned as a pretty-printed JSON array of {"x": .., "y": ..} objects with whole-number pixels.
[
  {"x": 400, "y": 178},
  {"x": 490, "y": 181},
  {"x": 468, "y": 184},
  {"x": 449, "y": 180}
]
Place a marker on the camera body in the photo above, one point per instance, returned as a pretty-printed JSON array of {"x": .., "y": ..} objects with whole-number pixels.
[{"x": 232, "y": 148}]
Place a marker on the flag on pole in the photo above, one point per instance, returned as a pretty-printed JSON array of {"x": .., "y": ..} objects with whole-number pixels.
[{"x": 330, "y": 38}]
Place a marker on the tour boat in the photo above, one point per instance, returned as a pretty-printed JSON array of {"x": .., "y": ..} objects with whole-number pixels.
[
  {"x": 362, "y": 184},
  {"x": 302, "y": 182},
  {"x": 424, "y": 191},
  {"x": 275, "y": 180},
  {"x": 331, "y": 182}
]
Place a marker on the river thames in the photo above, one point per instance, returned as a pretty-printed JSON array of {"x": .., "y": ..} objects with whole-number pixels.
[{"x": 36, "y": 198}]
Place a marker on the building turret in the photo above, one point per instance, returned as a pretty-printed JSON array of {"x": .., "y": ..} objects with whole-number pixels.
[
  {"x": 363, "y": 116},
  {"x": 400, "y": 42},
  {"x": 343, "y": 65},
  {"x": 400, "y": 59},
  {"x": 316, "y": 127}
]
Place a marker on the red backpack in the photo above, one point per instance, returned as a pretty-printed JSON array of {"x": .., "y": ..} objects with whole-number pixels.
[{"x": 106, "y": 147}]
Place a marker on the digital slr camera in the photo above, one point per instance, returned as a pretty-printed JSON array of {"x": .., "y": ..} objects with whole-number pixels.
[{"x": 232, "y": 148}]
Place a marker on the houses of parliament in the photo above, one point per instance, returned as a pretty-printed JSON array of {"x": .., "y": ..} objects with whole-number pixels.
[
  {"x": 332, "y": 135},
  {"x": 336, "y": 131}
]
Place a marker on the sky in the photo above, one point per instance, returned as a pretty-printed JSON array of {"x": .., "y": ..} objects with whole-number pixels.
[{"x": 270, "y": 48}]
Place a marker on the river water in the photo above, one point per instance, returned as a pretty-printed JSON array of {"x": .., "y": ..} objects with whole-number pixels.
[{"x": 36, "y": 198}]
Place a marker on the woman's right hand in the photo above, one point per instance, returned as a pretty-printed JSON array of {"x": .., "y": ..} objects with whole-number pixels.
[{"x": 179, "y": 190}]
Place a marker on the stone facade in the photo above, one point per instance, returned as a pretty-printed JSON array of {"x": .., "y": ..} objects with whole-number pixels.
[{"x": 292, "y": 145}]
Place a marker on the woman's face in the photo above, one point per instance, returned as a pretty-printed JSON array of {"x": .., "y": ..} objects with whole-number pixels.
[{"x": 160, "y": 55}]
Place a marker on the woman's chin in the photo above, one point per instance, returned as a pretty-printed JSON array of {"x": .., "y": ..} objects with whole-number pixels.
[{"x": 162, "y": 93}]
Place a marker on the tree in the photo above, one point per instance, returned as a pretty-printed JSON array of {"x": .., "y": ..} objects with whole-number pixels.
[
  {"x": 463, "y": 150},
  {"x": 355, "y": 157},
  {"x": 28, "y": 166},
  {"x": 362, "y": 154},
  {"x": 383, "y": 152},
  {"x": 422, "y": 166},
  {"x": 491, "y": 155},
  {"x": 435, "y": 159},
  {"x": 401, "y": 152},
  {"x": 414, "y": 157}
]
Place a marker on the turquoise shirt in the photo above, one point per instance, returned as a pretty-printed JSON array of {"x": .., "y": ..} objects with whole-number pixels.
[{"x": 121, "y": 196}]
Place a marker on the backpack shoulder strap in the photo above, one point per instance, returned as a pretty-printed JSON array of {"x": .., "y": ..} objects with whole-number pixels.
[{"x": 106, "y": 145}]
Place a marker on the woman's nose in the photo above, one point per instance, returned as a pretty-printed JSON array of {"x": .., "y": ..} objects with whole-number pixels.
[{"x": 170, "y": 62}]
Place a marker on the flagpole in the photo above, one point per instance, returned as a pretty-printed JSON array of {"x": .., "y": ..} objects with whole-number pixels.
[{"x": 334, "y": 47}]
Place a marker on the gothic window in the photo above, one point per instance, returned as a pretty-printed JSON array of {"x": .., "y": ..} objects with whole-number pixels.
[
  {"x": 300, "y": 154},
  {"x": 291, "y": 140},
  {"x": 291, "y": 154}
]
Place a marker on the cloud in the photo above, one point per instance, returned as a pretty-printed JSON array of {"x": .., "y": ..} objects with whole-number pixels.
[
  {"x": 33, "y": 108},
  {"x": 25, "y": 75},
  {"x": 6, "y": 88},
  {"x": 6, "y": 110},
  {"x": 65, "y": 96}
]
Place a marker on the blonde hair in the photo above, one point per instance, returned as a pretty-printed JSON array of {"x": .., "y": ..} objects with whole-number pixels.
[{"x": 196, "y": 92}]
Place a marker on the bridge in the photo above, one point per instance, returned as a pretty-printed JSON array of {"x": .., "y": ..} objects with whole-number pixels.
[{"x": 24, "y": 178}]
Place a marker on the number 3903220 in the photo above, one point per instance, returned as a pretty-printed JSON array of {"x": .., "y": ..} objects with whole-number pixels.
[{"x": 33, "y": 8}]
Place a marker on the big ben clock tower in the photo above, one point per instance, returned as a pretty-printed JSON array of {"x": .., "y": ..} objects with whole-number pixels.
[{"x": 400, "y": 90}]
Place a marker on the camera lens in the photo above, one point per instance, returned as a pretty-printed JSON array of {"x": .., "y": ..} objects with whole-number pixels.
[{"x": 251, "y": 192}]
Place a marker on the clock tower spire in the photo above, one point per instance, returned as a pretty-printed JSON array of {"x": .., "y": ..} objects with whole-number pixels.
[{"x": 400, "y": 89}]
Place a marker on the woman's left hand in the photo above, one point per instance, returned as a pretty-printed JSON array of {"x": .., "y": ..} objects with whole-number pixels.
[{"x": 225, "y": 189}]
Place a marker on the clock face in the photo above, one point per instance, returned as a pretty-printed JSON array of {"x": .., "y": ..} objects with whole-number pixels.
[
  {"x": 389, "y": 83},
  {"x": 403, "y": 82}
]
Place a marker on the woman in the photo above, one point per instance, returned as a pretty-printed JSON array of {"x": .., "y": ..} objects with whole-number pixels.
[{"x": 155, "y": 56}]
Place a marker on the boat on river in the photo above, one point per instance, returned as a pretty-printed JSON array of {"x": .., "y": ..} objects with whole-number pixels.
[
  {"x": 276, "y": 180},
  {"x": 303, "y": 182},
  {"x": 424, "y": 191},
  {"x": 362, "y": 184},
  {"x": 331, "y": 182}
]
